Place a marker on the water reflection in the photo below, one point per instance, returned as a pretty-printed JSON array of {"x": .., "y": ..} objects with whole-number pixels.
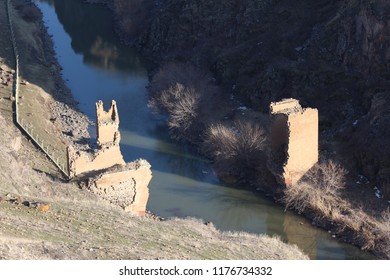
[
  {"x": 299, "y": 232},
  {"x": 97, "y": 67},
  {"x": 92, "y": 35}
]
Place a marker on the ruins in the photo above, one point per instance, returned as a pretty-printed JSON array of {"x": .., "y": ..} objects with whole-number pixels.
[
  {"x": 109, "y": 176},
  {"x": 108, "y": 153},
  {"x": 294, "y": 138}
]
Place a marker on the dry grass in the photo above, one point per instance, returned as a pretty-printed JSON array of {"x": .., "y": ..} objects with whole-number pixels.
[
  {"x": 320, "y": 186},
  {"x": 317, "y": 196},
  {"x": 36, "y": 96},
  {"x": 7, "y": 59}
]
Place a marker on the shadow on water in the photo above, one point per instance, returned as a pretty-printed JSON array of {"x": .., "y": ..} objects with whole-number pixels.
[
  {"x": 91, "y": 31},
  {"x": 97, "y": 67}
]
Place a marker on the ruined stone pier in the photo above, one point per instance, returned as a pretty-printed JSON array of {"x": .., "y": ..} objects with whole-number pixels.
[
  {"x": 294, "y": 138},
  {"x": 109, "y": 176}
]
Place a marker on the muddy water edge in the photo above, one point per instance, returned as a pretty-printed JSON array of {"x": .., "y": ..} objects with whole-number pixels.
[{"x": 96, "y": 66}]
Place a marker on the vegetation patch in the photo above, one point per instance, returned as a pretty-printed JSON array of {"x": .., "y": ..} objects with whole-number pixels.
[{"x": 319, "y": 196}]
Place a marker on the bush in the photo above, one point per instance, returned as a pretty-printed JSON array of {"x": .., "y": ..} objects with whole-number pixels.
[
  {"x": 367, "y": 232},
  {"x": 187, "y": 96},
  {"x": 384, "y": 230},
  {"x": 329, "y": 177},
  {"x": 301, "y": 196},
  {"x": 317, "y": 189},
  {"x": 182, "y": 106},
  {"x": 235, "y": 150}
]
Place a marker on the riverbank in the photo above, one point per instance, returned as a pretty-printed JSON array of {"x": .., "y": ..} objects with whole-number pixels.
[
  {"x": 223, "y": 61},
  {"x": 77, "y": 224}
]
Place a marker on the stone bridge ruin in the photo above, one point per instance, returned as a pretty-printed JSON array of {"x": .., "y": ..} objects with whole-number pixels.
[
  {"x": 294, "y": 139},
  {"x": 107, "y": 174}
]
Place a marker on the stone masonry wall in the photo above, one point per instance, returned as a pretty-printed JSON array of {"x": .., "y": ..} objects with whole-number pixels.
[
  {"x": 107, "y": 138},
  {"x": 125, "y": 185},
  {"x": 107, "y": 125},
  {"x": 81, "y": 162},
  {"x": 127, "y": 188},
  {"x": 299, "y": 142}
]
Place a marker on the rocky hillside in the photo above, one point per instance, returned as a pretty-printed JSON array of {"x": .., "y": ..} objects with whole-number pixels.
[{"x": 332, "y": 55}]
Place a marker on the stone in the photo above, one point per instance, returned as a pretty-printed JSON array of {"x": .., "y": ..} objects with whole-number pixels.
[
  {"x": 294, "y": 139},
  {"x": 108, "y": 153},
  {"x": 107, "y": 124},
  {"x": 125, "y": 185}
]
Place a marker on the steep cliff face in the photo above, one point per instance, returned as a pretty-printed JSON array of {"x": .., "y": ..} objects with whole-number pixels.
[
  {"x": 332, "y": 55},
  {"x": 352, "y": 33},
  {"x": 371, "y": 142},
  {"x": 362, "y": 36},
  {"x": 268, "y": 49}
]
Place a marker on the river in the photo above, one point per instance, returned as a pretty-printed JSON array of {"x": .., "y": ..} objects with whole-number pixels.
[{"x": 96, "y": 66}]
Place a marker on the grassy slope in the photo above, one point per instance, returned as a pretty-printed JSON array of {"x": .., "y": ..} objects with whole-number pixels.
[{"x": 80, "y": 226}]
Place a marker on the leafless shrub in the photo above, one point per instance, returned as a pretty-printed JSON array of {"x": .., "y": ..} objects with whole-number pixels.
[
  {"x": 182, "y": 106},
  {"x": 235, "y": 150},
  {"x": 318, "y": 190},
  {"x": 384, "y": 230},
  {"x": 188, "y": 98},
  {"x": 317, "y": 194},
  {"x": 304, "y": 196},
  {"x": 329, "y": 177},
  {"x": 297, "y": 197}
]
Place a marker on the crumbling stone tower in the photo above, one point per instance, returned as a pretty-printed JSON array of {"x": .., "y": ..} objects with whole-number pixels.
[
  {"x": 108, "y": 153},
  {"x": 294, "y": 138},
  {"x": 107, "y": 125},
  {"x": 108, "y": 175}
]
